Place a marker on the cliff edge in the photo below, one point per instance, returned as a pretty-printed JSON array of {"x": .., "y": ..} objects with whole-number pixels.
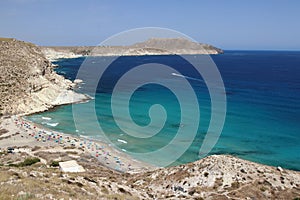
[{"x": 28, "y": 83}]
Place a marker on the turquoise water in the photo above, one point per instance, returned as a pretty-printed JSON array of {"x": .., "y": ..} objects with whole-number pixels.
[{"x": 263, "y": 112}]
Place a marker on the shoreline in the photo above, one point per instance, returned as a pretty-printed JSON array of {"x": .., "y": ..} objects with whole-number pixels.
[
  {"x": 55, "y": 59},
  {"x": 212, "y": 175},
  {"x": 31, "y": 134},
  {"x": 152, "y": 46},
  {"x": 136, "y": 165}
]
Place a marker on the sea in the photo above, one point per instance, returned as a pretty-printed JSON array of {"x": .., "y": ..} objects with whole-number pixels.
[{"x": 262, "y": 122}]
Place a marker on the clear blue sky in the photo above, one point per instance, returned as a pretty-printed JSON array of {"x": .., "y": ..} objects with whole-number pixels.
[{"x": 230, "y": 24}]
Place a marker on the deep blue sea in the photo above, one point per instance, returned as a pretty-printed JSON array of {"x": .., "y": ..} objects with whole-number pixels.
[{"x": 263, "y": 112}]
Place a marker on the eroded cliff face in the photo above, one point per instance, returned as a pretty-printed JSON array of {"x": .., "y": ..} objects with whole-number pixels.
[{"x": 28, "y": 83}]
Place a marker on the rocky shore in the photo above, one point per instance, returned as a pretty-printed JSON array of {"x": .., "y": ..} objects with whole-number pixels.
[
  {"x": 28, "y": 83},
  {"x": 30, "y": 155}
]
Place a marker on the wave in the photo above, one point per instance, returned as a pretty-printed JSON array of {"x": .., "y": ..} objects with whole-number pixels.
[
  {"x": 85, "y": 137},
  {"x": 46, "y": 118},
  {"x": 52, "y": 124},
  {"x": 187, "y": 77},
  {"x": 122, "y": 141}
]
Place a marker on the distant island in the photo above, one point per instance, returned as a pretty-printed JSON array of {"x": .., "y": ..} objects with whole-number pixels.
[{"x": 153, "y": 46}]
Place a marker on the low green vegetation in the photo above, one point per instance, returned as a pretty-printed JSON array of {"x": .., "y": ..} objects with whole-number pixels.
[
  {"x": 54, "y": 164},
  {"x": 26, "y": 162},
  {"x": 29, "y": 161},
  {"x": 26, "y": 196}
]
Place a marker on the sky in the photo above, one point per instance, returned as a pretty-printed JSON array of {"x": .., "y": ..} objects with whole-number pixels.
[{"x": 230, "y": 24}]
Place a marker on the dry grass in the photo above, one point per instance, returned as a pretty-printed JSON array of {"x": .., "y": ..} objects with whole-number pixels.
[
  {"x": 119, "y": 197},
  {"x": 5, "y": 39},
  {"x": 41, "y": 182}
]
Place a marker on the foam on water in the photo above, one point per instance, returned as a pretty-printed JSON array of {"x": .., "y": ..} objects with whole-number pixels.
[
  {"x": 52, "y": 124},
  {"x": 122, "y": 141},
  {"x": 46, "y": 118}
]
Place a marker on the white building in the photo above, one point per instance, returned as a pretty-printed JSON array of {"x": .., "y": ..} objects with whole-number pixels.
[{"x": 71, "y": 166}]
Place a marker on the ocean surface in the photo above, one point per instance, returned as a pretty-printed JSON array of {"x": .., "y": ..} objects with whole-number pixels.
[{"x": 263, "y": 111}]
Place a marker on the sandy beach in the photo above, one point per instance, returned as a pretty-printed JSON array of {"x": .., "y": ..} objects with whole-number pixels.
[
  {"x": 35, "y": 87},
  {"x": 32, "y": 139}
]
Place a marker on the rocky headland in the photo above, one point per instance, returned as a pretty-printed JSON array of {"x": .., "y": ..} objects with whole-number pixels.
[
  {"x": 28, "y": 83},
  {"x": 153, "y": 46}
]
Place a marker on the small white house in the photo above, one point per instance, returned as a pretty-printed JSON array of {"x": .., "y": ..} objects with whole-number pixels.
[{"x": 71, "y": 166}]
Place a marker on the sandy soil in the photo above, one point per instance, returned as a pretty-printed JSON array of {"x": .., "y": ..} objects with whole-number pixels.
[{"x": 22, "y": 133}]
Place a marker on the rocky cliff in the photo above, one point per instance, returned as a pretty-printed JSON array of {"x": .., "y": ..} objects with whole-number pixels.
[{"x": 27, "y": 81}]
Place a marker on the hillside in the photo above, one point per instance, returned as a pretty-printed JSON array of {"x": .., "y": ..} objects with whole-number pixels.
[
  {"x": 177, "y": 46},
  {"x": 153, "y": 46},
  {"x": 27, "y": 81},
  {"x": 214, "y": 177}
]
